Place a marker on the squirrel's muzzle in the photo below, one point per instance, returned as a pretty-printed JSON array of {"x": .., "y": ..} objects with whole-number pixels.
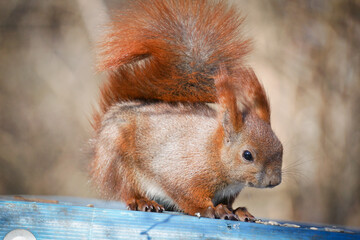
[{"x": 271, "y": 180}]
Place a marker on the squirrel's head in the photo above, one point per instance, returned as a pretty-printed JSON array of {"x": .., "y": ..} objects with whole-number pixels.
[
  {"x": 251, "y": 152},
  {"x": 253, "y": 155}
]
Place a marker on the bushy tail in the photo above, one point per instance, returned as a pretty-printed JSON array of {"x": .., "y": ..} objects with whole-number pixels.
[{"x": 170, "y": 50}]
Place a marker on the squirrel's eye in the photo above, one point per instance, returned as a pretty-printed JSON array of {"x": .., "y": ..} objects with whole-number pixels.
[{"x": 247, "y": 155}]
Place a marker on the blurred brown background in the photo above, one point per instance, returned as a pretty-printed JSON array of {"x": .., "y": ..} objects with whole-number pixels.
[{"x": 306, "y": 54}]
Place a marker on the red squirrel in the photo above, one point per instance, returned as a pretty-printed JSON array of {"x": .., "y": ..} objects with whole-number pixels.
[{"x": 158, "y": 144}]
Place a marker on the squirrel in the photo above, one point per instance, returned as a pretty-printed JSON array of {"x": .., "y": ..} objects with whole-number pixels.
[{"x": 159, "y": 145}]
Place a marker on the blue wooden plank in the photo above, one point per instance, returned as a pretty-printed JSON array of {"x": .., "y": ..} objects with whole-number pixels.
[{"x": 60, "y": 221}]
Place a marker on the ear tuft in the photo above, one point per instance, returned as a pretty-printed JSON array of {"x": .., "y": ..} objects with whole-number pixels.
[{"x": 252, "y": 94}]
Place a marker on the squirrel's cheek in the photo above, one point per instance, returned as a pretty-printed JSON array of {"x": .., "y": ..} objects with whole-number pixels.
[{"x": 251, "y": 177}]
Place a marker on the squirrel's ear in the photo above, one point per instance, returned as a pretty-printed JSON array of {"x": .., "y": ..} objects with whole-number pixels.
[
  {"x": 231, "y": 116},
  {"x": 252, "y": 94}
]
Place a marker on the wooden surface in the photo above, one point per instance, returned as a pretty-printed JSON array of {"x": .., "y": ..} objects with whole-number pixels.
[{"x": 77, "y": 221}]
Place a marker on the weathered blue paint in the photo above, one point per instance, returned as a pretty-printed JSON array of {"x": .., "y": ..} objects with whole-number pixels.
[{"x": 60, "y": 221}]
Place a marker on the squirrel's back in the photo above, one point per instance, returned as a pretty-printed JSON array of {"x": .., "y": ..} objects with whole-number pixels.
[{"x": 170, "y": 50}]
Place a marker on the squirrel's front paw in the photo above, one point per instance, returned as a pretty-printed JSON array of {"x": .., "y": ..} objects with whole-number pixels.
[
  {"x": 243, "y": 215},
  {"x": 144, "y": 205},
  {"x": 220, "y": 211}
]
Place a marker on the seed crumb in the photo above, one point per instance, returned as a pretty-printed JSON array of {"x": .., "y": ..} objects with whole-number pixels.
[{"x": 290, "y": 225}]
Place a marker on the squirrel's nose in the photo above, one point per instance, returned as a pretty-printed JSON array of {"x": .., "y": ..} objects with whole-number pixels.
[
  {"x": 273, "y": 184},
  {"x": 272, "y": 181}
]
